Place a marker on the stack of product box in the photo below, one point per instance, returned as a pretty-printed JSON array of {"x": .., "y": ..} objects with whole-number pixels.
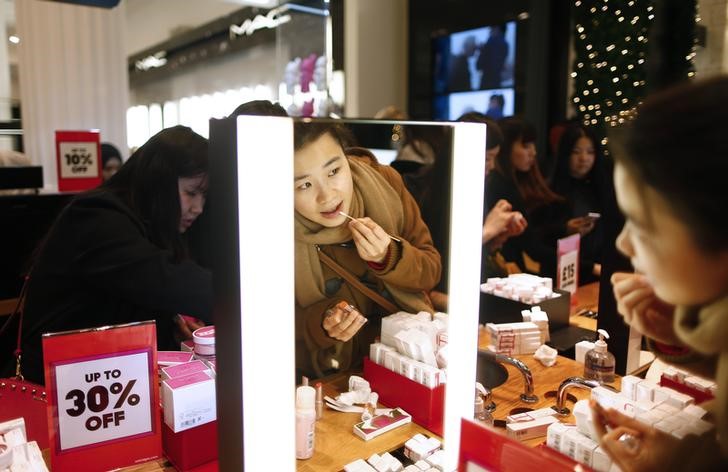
[
  {"x": 16, "y": 453},
  {"x": 413, "y": 345},
  {"x": 171, "y": 358},
  {"x": 514, "y": 339},
  {"x": 525, "y": 288},
  {"x": 699, "y": 388},
  {"x": 540, "y": 318},
  {"x": 189, "y": 406},
  {"x": 188, "y": 395},
  {"x": 531, "y": 424},
  {"x": 407, "y": 368},
  {"x": 660, "y": 407},
  {"x": 425, "y": 453}
]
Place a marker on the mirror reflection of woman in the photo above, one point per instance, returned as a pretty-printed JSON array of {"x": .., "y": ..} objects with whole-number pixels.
[{"x": 329, "y": 181}]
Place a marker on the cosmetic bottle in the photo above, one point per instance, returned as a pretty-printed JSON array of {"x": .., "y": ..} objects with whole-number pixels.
[
  {"x": 370, "y": 409},
  {"x": 598, "y": 362},
  {"x": 319, "y": 400},
  {"x": 481, "y": 413},
  {"x": 305, "y": 421},
  {"x": 204, "y": 339}
]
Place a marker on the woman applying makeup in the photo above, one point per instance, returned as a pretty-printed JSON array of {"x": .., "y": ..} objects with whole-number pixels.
[
  {"x": 387, "y": 247},
  {"x": 670, "y": 184}
]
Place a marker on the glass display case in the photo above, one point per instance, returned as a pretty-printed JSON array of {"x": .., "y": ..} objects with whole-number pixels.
[{"x": 282, "y": 54}]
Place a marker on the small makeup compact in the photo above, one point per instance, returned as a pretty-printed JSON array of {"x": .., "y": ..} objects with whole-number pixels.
[{"x": 204, "y": 339}]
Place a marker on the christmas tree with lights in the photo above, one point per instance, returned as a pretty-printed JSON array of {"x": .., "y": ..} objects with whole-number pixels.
[
  {"x": 609, "y": 72},
  {"x": 625, "y": 49}
]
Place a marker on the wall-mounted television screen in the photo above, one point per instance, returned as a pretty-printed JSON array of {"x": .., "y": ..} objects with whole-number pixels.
[
  {"x": 473, "y": 70},
  {"x": 495, "y": 103}
]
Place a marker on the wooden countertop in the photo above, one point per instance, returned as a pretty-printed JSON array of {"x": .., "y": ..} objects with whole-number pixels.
[
  {"x": 336, "y": 444},
  {"x": 546, "y": 381},
  {"x": 586, "y": 299}
]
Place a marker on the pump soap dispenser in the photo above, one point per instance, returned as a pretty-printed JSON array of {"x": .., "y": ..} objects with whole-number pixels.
[{"x": 598, "y": 362}]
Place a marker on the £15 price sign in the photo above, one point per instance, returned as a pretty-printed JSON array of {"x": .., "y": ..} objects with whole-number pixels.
[
  {"x": 567, "y": 274},
  {"x": 78, "y": 156},
  {"x": 104, "y": 396}
]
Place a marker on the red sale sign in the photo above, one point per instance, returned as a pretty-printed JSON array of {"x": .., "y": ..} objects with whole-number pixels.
[
  {"x": 103, "y": 396},
  {"x": 567, "y": 273},
  {"x": 78, "y": 160}
]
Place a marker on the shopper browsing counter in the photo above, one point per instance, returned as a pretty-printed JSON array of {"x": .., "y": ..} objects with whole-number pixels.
[
  {"x": 118, "y": 254},
  {"x": 670, "y": 182}
]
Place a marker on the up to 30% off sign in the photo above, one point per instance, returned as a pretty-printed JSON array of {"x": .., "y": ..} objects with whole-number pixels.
[{"x": 103, "y": 399}]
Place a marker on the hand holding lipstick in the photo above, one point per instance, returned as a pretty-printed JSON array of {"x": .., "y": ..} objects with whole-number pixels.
[{"x": 371, "y": 241}]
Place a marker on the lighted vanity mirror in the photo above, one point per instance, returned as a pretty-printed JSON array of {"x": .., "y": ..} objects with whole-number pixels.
[{"x": 251, "y": 208}]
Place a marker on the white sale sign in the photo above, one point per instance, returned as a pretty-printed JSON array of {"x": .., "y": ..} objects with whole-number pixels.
[
  {"x": 567, "y": 275},
  {"x": 78, "y": 160},
  {"x": 103, "y": 399}
]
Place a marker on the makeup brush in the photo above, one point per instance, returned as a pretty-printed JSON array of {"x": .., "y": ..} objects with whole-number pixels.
[{"x": 354, "y": 219}]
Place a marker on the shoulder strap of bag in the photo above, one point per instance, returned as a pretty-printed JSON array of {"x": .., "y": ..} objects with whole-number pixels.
[
  {"x": 18, "y": 311},
  {"x": 353, "y": 281}
]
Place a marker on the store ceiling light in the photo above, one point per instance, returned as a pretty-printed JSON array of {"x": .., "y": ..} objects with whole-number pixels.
[{"x": 14, "y": 39}]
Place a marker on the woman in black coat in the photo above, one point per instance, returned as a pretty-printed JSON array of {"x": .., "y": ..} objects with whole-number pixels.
[
  {"x": 516, "y": 178},
  {"x": 118, "y": 253},
  {"x": 583, "y": 178}
]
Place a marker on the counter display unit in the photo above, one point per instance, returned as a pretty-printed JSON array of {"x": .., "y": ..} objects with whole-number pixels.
[
  {"x": 246, "y": 387},
  {"x": 337, "y": 446}
]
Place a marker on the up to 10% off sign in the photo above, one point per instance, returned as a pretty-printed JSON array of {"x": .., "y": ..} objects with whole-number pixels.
[
  {"x": 98, "y": 403},
  {"x": 78, "y": 159}
]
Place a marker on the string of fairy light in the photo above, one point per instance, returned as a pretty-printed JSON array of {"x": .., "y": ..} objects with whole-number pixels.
[
  {"x": 611, "y": 48},
  {"x": 609, "y": 68}
]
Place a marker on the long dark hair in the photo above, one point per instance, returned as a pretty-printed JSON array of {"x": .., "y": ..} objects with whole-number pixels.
[
  {"x": 562, "y": 180},
  {"x": 531, "y": 185},
  {"x": 148, "y": 182},
  {"x": 678, "y": 145}
]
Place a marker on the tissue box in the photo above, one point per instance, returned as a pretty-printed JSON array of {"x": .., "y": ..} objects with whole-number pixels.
[
  {"x": 699, "y": 396},
  {"x": 424, "y": 404}
]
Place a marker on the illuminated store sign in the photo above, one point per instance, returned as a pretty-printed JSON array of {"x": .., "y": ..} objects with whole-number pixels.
[{"x": 270, "y": 20}]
